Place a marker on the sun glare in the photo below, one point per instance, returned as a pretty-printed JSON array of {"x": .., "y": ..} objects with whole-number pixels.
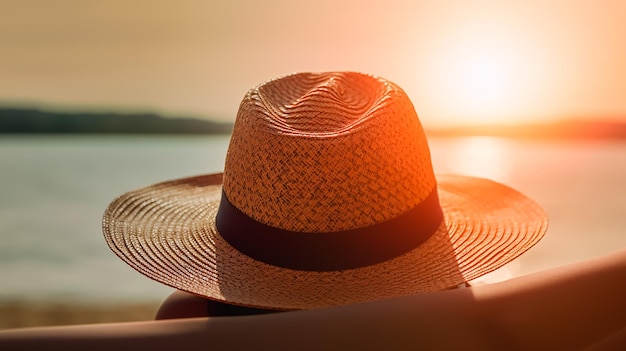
[
  {"x": 479, "y": 74},
  {"x": 483, "y": 80}
]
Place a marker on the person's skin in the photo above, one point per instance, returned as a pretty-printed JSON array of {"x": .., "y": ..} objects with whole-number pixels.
[
  {"x": 573, "y": 307},
  {"x": 181, "y": 304}
]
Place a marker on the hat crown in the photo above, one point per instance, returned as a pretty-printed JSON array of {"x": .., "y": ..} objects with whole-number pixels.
[
  {"x": 325, "y": 152},
  {"x": 317, "y": 104}
]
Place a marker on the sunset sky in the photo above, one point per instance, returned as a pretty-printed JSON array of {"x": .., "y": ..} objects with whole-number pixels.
[{"x": 459, "y": 61}]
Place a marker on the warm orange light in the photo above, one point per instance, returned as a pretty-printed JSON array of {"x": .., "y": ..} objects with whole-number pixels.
[
  {"x": 483, "y": 79},
  {"x": 485, "y": 157},
  {"x": 480, "y": 74}
]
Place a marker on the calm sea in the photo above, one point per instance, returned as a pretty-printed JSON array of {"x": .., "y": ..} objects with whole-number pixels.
[{"x": 53, "y": 191}]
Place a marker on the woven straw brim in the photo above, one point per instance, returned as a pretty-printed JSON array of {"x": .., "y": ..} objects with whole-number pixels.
[{"x": 167, "y": 232}]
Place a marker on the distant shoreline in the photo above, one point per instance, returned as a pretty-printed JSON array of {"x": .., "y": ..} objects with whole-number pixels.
[
  {"x": 34, "y": 121},
  {"x": 572, "y": 129}
]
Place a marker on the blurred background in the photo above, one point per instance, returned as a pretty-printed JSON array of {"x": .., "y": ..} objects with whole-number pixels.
[{"x": 101, "y": 97}]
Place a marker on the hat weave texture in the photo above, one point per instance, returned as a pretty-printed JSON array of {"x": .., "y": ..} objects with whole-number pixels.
[
  {"x": 327, "y": 152},
  {"x": 321, "y": 153}
]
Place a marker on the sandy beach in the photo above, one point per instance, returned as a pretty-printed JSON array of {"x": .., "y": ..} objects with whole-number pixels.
[{"x": 19, "y": 314}]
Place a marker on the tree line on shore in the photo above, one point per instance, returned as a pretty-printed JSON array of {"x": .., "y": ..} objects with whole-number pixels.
[{"x": 34, "y": 121}]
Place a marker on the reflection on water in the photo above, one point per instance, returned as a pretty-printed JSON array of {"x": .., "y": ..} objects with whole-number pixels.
[{"x": 485, "y": 157}]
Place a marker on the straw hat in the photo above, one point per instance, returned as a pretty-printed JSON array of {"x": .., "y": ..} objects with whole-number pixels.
[{"x": 328, "y": 197}]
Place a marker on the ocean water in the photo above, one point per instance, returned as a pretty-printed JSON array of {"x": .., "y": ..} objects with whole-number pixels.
[{"x": 54, "y": 189}]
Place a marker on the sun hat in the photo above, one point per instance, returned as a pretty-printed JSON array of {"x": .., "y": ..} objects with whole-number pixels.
[{"x": 328, "y": 197}]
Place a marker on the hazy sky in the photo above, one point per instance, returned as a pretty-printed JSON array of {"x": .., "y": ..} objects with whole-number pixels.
[{"x": 459, "y": 61}]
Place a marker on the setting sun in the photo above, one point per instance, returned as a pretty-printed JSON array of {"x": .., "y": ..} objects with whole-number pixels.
[
  {"x": 480, "y": 73},
  {"x": 484, "y": 80}
]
